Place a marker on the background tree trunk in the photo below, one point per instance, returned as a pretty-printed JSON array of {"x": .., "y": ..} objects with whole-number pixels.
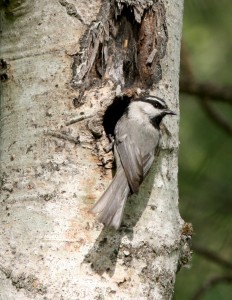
[{"x": 51, "y": 246}]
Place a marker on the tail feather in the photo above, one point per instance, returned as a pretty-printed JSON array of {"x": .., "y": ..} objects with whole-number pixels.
[{"x": 110, "y": 206}]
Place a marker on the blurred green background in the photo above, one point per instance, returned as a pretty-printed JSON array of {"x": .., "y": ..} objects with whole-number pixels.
[{"x": 205, "y": 160}]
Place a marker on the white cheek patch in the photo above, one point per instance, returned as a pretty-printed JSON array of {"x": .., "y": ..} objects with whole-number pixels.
[{"x": 149, "y": 109}]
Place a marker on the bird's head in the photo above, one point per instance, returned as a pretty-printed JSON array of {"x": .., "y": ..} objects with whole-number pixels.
[{"x": 155, "y": 107}]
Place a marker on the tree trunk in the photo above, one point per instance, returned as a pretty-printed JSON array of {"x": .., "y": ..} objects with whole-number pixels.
[{"x": 54, "y": 92}]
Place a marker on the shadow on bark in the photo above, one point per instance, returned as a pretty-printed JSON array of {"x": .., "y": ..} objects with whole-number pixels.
[{"x": 105, "y": 252}]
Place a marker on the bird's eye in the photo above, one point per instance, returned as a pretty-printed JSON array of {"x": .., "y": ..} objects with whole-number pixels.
[{"x": 158, "y": 105}]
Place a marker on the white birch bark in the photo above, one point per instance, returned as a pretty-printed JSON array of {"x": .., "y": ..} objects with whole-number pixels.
[{"x": 51, "y": 246}]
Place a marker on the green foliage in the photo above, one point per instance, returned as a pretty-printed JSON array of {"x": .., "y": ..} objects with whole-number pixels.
[
  {"x": 207, "y": 33},
  {"x": 206, "y": 150}
]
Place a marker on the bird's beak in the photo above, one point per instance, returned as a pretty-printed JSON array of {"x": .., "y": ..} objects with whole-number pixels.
[{"x": 169, "y": 112}]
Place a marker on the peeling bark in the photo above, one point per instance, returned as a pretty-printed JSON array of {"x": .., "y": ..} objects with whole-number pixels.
[{"x": 124, "y": 45}]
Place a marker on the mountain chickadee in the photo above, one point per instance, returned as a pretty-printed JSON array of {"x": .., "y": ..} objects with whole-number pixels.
[{"x": 137, "y": 136}]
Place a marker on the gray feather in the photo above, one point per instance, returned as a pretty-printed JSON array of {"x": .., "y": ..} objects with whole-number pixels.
[
  {"x": 110, "y": 206},
  {"x": 132, "y": 163},
  {"x": 136, "y": 140},
  {"x": 135, "y": 158}
]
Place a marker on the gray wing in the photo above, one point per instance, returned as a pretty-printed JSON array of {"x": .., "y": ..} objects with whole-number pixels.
[{"x": 128, "y": 144}]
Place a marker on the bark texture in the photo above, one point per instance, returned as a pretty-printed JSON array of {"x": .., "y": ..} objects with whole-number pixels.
[{"x": 60, "y": 70}]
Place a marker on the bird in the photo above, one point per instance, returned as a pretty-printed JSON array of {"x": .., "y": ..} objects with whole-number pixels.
[{"x": 136, "y": 139}]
